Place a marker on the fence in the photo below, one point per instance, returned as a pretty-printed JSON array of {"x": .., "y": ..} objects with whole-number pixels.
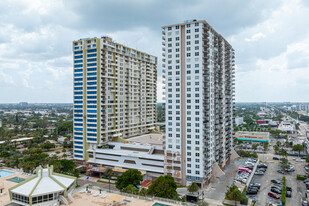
[{"x": 141, "y": 197}]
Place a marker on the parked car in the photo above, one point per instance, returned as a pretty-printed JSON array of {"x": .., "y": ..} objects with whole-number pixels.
[
  {"x": 304, "y": 203},
  {"x": 275, "y": 190},
  {"x": 252, "y": 160},
  {"x": 288, "y": 194},
  {"x": 276, "y": 158},
  {"x": 291, "y": 170},
  {"x": 270, "y": 194},
  {"x": 280, "y": 171},
  {"x": 259, "y": 173},
  {"x": 262, "y": 165},
  {"x": 258, "y": 185},
  {"x": 262, "y": 169},
  {"x": 288, "y": 188},
  {"x": 276, "y": 181},
  {"x": 249, "y": 167},
  {"x": 276, "y": 187},
  {"x": 252, "y": 191}
]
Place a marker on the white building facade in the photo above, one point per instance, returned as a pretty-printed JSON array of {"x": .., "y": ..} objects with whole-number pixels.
[
  {"x": 114, "y": 93},
  {"x": 198, "y": 66}
]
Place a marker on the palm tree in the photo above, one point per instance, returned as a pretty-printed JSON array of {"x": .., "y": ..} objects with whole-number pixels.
[{"x": 108, "y": 173}]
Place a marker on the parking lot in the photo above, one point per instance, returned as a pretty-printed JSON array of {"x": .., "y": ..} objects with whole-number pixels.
[{"x": 298, "y": 187}]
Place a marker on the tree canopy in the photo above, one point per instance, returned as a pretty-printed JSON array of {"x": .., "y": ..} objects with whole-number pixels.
[
  {"x": 131, "y": 176},
  {"x": 165, "y": 187},
  {"x": 193, "y": 187},
  {"x": 233, "y": 193},
  {"x": 298, "y": 148}
]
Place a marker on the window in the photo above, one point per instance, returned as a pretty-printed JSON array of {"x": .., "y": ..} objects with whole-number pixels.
[
  {"x": 197, "y": 53},
  {"x": 169, "y": 28},
  {"x": 177, "y": 38},
  {"x": 196, "y": 35},
  {"x": 196, "y": 41},
  {"x": 188, "y": 31},
  {"x": 196, "y": 24},
  {"x": 169, "y": 39},
  {"x": 188, "y": 42},
  {"x": 188, "y": 25},
  {"x": 196, "y": 30},
  {"x": 177, "y": 27},
  {"x": 188, "y": 54},
  {"x": 188, "y": 37}
]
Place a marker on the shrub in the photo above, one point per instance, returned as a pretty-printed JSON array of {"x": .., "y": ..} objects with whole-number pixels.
[
  {"x": 246, "y": 154},
  {"x": 299, "y": 177},
  {"x": 283, "y": 190}
]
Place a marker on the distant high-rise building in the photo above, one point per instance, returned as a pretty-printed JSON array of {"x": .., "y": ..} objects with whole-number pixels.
[
  {"x": 114, "y": 93},
  {"x": 199, "y": 68},
  {"x": 23, "y": 104}
]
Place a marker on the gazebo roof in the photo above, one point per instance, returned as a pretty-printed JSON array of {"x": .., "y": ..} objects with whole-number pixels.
[{"x": 45, "y": 181}]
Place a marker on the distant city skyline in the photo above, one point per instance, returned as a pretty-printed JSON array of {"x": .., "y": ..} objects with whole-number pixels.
[{"x": 270, "y": 39}]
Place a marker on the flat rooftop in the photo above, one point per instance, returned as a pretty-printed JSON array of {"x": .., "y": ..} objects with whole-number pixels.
[
  {"x": 252, "y": 136},
  {"x": 148, "y": 139}
]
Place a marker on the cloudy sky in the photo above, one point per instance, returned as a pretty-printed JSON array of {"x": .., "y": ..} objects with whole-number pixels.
[{"x": 271, "y": 39}]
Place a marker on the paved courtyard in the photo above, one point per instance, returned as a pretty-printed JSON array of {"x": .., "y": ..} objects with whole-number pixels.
[{"x": 218, "y": 187}]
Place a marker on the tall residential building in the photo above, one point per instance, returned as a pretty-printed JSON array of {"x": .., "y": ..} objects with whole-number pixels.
[
  {"x": 199, "y": 68},
  {"x": 114, "y": 93}
]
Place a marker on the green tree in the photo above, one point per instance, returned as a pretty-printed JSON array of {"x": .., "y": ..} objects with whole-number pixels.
[
  {"x": 165, "y": 187},
  {"x": 266, "y": 144},
  {"x": 108, "y": 173},
  {"x": 283, "y": 152},
  {"x": 276, "y": 148},
  {"x": 233, "y": 193},
  {"x": 47, "y": 145},
  {"x": 307, "y": 158},
  {"x": 131, "y": 189},
  {"x": 143, "y": 192},
  {"x": 65, "y": 127},
  {"x": 254, "y": 146},
  {"x": 284, "y": 164},
  {"x": 193, "y": 187},
  {"x": 131, "y": 176},
  {"x": 298, "y": 148}
]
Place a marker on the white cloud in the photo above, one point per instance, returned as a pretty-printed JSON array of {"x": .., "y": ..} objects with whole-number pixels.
[
  {"x": 270, "y": 39},
  {"x": 256, "y": 37}
]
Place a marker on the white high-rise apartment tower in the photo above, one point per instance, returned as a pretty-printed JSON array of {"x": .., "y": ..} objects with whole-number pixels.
[
  {"x": 114, "y": 94},
  {"x": 198, "y": 66}
]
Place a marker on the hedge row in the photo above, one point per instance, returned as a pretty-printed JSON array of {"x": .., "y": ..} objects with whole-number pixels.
[
  {"x": 246, "y": 154},
  {"x": 283, "y": 190},
  {"x": 298, "y": 177}
]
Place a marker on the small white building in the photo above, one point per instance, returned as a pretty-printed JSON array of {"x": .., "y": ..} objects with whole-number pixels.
[
  {"x": 44, "y": 188},
  {"x": 287, "y": 126},
  {"x": 239, "y": 120}
]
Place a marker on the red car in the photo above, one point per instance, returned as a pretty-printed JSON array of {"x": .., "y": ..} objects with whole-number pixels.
[
  {"x": 270, "y": 194},
  {"x": 250, "y": 168}
]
